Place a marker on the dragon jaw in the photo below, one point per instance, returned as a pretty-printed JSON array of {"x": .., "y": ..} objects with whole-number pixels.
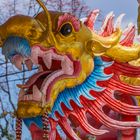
[
  {"x": 39, "y": 89},
  {"x": 57, "y": 71}
]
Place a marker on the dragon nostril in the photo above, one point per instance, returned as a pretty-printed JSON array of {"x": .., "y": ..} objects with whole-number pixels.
[{"x": 16, "y": 45}]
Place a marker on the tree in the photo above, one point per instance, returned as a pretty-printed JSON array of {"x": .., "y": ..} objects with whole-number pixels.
[
  {"x": 9, "y": 75},
  {"x": 76, "y": 7}
]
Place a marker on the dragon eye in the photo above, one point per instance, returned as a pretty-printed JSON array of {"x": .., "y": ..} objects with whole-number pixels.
[{"x": 66, "y": 29}]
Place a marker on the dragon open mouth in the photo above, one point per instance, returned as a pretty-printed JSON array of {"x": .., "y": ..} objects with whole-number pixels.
[{"x": 52, "y": 67}]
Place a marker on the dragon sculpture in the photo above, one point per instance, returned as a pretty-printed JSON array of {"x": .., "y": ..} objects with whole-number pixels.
[{"x": 87, "y": 80}]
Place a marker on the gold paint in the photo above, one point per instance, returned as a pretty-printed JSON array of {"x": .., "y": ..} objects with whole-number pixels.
[
  {"x": 22, "y": 26},
  {"x": 82, "y": 46},
  {"x": 47, "y": 15},
  {"x": 108, "y": 41},
  {"x": 138, "y": 100},
  {"x": 87, "y": 67},
  {"x": 135, "y": 81},
  {"x": 29, "y": 109},
  {"x": 123, "y": 53},
  {"x": 130, "y": 80},
  {"x": 135, "y": 63}
]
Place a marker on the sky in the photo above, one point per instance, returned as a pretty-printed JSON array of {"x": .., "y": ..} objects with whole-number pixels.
[{"x": 129, "y": 7}]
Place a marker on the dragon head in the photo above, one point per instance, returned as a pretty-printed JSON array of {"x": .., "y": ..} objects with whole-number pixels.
[{"x": 62, "y": 47}]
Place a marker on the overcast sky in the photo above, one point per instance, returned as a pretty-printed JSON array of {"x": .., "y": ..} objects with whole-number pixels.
[{"x": 129, "y": 7}]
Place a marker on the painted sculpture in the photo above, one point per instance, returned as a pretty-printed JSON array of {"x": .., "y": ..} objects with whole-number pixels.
[{"x": 85, "y": 82}]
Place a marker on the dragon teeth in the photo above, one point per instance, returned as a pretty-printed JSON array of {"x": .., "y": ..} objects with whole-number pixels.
[
  {"x": 34, "y": 55},
  {"x": 40, "y": 69},
  {"x": 30, "y": 97},
  {"x": 18, "y": 66},
  {"x": 67, "y": 66},
  {"x": 47, "y": 58},
  {"x": 35, "y": 59},
  {"x": 37, "y": 95},
  {"x": 27, "y": 98},
  {"x": 29, "y": 64}
]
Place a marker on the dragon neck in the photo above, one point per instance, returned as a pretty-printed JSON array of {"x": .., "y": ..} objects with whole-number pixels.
[
  {"x": 74, "y": 94},
  {"x": 90, "y": 83}
]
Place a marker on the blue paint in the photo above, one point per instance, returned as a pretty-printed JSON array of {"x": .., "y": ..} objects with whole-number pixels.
[
  {"x": 82, "y": 90},
  {"x": 16, "y": 45},
  {"x": 36, "y": 120}
]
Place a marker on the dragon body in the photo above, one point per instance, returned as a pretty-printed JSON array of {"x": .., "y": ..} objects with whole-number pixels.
[{"x": 85, "y": 81}]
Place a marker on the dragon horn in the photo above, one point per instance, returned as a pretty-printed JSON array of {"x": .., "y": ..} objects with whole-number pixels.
[
  {"x": 49, "y": 26},
  {"x": 108, "y": 41},
  {"x": 126, "y": 50},
  {"x": 47, "y": 14},
  {"x": 108, "y": 36},
  {"x": 124, "y": 53},
  {"x": 98, "y": 45}
]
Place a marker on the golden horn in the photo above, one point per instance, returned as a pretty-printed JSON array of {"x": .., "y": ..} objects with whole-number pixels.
[
  {"x": 109, "y": 40},
  {"x": 47, "y": 14},
  {"x": 98, "y": 45},
  {"x": 123, "y": 53},
  {"x": 51, "y": 35}
]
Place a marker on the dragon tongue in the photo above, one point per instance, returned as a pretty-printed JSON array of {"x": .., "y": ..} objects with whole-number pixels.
[
  {"x": 48, "y": 60},
  {"x": 32, "y": 80}
]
